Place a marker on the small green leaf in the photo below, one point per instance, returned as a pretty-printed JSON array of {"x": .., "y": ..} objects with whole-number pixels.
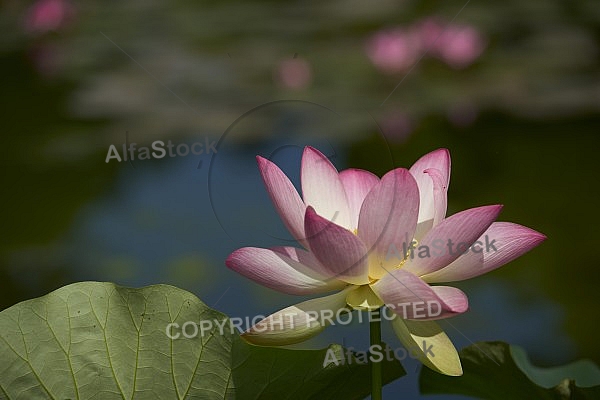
[
  {"x": 497, "y": 370},
  {"x": 102, "y": 341}
]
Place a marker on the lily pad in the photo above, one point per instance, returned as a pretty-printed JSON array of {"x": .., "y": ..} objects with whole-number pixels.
[{"x": 497, "y": 370}]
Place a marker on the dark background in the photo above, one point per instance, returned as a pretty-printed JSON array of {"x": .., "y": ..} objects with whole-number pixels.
[{"x": 511, "y": 88}]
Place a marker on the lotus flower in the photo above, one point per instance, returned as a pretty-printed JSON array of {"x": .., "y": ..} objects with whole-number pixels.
[
  {"x": 295, "y": 73},
  {"x": 48, "y": 15},
  {"x": 394, "y": 50},
  {"x": 347, "y": 223},
  {"x": 459, "y": 46}
]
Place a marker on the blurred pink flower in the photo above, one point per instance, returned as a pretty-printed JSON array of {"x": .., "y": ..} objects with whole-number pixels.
[
  {"x": 294, "y": 73},
  {"x": 397, "y": 126},
  {"x": 462, "y": 115},
  {"x": 428, "y": 31},
  {"x": 396, "y": 50},
  {"x": 46, "y": 58},
  {"x": 48, "y": 15},
  {"x": 393, "y": 50},
  {"x": 460, "y": 46}
]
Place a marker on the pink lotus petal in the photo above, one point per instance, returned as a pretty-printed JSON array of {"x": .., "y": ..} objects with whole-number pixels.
[
  {"x": 308, "y": 260},
  {"x": 440, "y": 194},
  {"x": 510, "y": 242},
  {"x": 388, "y": 217},
  {"x": 448, "y": 240},
  {"x": 279, "y": 272},
  {"x": 339, "y": 251},
  {"x": 284, "y": 195},
  {"x": 357, "y": 184},
  {"x": 322, "y": 188},
  {"x": 440, "y": 161},
  {"x": 302, "y": 256},
  {"x": 454, "y": 298},
  {"x": 411, "y": 298}
]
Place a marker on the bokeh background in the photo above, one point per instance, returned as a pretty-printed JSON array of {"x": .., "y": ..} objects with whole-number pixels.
[{"x": 512, "y": 88}]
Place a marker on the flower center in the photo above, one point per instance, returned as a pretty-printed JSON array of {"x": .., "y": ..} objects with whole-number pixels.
[
  {"x": 363, "y": 298},
  {"x": 394, "y": 259}
]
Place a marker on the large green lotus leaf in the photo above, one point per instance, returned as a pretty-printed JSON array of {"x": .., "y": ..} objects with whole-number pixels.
[
  {"x": 497, "y": 370},
  {"x": 98, "y": 340}
]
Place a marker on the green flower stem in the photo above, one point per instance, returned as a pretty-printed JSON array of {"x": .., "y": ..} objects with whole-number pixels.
[{"x": 375, "y": 324}]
